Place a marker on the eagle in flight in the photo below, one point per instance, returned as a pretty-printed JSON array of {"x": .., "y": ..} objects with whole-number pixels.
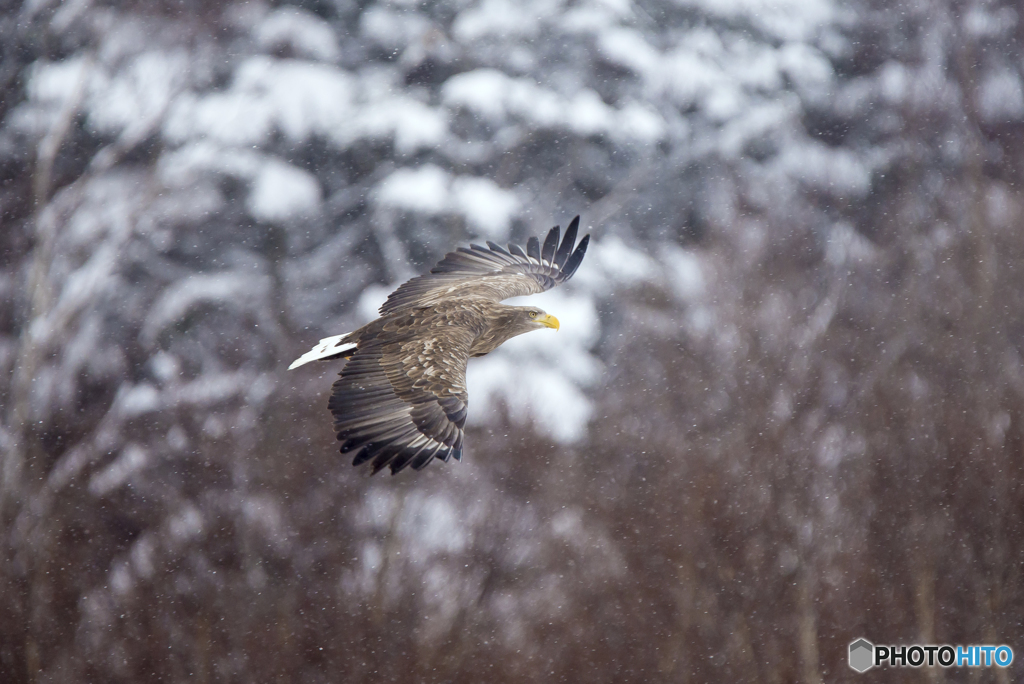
[{"x": 401, "y": 399}]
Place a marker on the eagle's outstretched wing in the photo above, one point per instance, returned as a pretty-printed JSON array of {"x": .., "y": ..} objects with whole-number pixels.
[
  {"x": 493, "y": 272},
  {"x": 401, "y": 398}
]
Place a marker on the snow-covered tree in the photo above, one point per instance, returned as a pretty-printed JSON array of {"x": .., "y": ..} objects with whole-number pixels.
[{"x": 783, "y": 411}]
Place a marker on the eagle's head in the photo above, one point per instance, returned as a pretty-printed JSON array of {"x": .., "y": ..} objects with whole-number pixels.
[
  {"x": 523, "y": 319},
  {"x": 539, "y": 319}
]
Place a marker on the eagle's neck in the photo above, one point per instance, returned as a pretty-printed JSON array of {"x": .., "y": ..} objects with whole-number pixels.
[{"x": 499, "y": 324}]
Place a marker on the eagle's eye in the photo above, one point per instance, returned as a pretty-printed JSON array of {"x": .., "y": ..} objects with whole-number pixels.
[{"x": 533, "y": 314}]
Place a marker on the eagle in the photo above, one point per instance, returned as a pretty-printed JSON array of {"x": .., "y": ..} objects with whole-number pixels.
[{"x": 401, "y": 397}]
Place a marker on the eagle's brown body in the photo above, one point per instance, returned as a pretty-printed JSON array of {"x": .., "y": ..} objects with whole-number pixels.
[
  {"x": 487, "y": 324},
  {"x": 401, "y": 398}
]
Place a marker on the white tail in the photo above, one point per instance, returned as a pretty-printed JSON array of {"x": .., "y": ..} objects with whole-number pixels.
[{"x": 329, "y": 347}]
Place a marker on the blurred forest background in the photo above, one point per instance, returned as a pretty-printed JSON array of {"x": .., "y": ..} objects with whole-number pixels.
[{"x": 785, "y": 409}]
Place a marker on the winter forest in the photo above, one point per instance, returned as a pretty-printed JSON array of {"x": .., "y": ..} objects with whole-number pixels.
[{"x": 785, "y": 408}]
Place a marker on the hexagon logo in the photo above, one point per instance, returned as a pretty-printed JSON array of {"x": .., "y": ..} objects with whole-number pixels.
[{"x": 862, "y": 655}]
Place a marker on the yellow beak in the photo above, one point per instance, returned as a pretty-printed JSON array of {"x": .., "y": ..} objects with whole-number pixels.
[{"x": 549, "y": 321}]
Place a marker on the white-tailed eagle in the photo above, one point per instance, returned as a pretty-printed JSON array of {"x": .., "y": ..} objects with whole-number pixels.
[{"x": 401, "y": 398}]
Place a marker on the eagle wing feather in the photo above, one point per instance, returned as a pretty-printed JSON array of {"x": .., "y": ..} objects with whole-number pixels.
[
  {"x": 494, "y": 272},
  {"x": 401, "y": 399}
]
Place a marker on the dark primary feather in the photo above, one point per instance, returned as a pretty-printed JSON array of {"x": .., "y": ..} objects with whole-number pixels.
[
  {"x": 567, "y": 242},
  {"x": 494, "y": 247},
  {"x": 576, "y": 259},
  {"x": 494, "y": 272},
  {"x": 550, "y": 244},
  {"x": 517, "y": 251},
  {"x": 533, "y": 248}
]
